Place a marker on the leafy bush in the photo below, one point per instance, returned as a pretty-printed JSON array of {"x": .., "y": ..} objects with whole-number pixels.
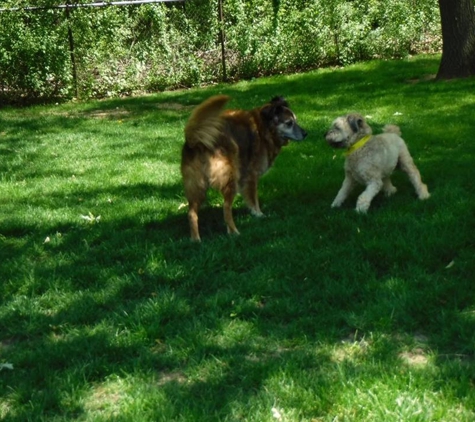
[
  {"x": 34, "y": 61},
  {"x": 121, "y": 50}
]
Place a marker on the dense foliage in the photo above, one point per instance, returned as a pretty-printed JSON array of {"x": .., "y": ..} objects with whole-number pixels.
[{"x": 119, "y": 50}]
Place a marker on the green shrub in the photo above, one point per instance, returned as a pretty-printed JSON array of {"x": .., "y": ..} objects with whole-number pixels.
[
  {"x": 34, "y": 60},
  {"x": 121, "y": 50}
]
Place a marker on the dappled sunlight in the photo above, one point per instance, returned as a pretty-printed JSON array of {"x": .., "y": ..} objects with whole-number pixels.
[
  {"x": 350, "y": 351},
  {"x": 110, "y": 312},
  {"x": 107, "y": 398}
]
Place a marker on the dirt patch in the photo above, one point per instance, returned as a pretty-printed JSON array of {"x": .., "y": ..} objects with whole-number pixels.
[
  {"x": 416, "y": 357},
  {"x": 6, "y": 344},
  {"x": 166, "y": 377},
  {"x": 108, "y": 114},
  {"x": 173, "y": 106},
  {"x": 424, "y": 78}
]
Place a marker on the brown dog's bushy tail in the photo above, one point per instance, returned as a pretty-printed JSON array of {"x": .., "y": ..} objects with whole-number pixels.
[
  {"x": 205, "y": 124},
  {"x": 392, "y": 129}
]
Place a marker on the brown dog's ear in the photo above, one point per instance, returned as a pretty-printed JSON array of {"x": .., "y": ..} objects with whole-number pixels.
[
  {"x": 355, "y": 122},
  {"x": 268, "y": 112},
  {"x": 279, "y": 101},
  {"x": 271, "y": 110}
]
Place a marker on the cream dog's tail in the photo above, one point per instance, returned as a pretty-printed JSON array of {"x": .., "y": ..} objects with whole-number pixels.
[
  {"x": 392, "y": 129},
  {"x": 205, "y": 123}
]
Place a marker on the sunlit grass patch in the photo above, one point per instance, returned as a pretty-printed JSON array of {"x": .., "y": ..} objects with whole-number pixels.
[{"x": 109, "y": 312}]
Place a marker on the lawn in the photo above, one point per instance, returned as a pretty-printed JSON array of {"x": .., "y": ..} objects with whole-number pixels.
[{"x": 109, "y": 312}]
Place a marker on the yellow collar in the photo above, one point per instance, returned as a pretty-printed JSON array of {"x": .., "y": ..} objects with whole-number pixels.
[{"x": 357, "y": 145}]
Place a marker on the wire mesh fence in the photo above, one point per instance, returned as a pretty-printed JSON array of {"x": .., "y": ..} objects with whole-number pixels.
[{"x": 97, "y": 49}]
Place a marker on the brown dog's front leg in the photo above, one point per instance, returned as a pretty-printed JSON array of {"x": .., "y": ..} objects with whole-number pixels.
[{"x": 249, "y": 193}]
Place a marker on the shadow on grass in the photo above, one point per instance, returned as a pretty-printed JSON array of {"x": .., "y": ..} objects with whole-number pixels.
[
  {"x": 305, "y": 304},
  {"x": 211, "y": 326}
]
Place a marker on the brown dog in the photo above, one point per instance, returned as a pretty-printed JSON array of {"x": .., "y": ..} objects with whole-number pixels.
[{"x": 230, "y": 150}]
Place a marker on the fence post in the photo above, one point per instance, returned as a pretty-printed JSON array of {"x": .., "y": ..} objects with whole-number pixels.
[
  {"x": 72, "y": 50},
  {"x": 221, "y": 38}
]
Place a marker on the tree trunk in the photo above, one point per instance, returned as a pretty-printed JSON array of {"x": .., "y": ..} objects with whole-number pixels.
[{"x": 458, "y": 38}]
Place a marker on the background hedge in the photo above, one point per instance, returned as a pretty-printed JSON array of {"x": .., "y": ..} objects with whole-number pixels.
[{"x": 127, "y": 49}]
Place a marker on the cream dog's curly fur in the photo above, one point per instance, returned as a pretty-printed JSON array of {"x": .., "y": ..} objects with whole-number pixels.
[{"x": 371, "y": 159}]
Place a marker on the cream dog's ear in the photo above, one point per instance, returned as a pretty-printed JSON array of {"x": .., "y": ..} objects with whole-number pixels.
[{"x": 355, "y": 122}]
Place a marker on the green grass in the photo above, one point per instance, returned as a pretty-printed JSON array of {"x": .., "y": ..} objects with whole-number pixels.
[{"x": 109, "y": 312}]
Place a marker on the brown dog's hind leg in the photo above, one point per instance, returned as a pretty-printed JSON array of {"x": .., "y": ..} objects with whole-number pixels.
[
  {"x": 193, "y": 207},
  {"x": 229, "y": 192},
  {"x": 195, "y": 192}
]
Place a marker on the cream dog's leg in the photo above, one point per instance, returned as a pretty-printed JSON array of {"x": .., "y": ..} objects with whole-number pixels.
[
  {"x": 346, "y": 188},
  {"x": 364, "y": 200},
  {"x": 388, "y": 188},
  {"x": 407, "y": 165}
]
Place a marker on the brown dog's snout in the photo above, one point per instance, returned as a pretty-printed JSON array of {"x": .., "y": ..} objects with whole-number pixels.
[
  {"x": 303, "y": 133},
  {"x": 299, "y": 133}
]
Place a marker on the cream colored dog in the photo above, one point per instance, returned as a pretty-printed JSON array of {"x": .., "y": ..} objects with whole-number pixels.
[{"x": 370, "y": 160}]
